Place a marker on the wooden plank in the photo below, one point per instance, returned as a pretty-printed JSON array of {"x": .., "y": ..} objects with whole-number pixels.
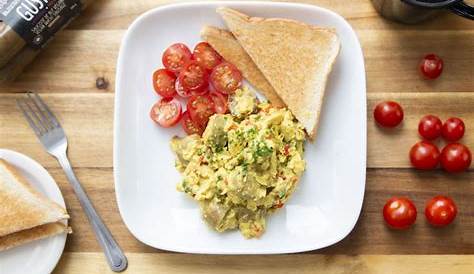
[
  {"x": 390, "y": 148},
  {"x": 370, "y": 236},
  {"x": 92, "y": 263},
  {"x": 74, "y": 60},
  {"x": 119, "y": 14},
  {"x": 390, "y": 56},
  {"x": 88, "y": 120},
  {"x": 392, "y": 59},
  {"x": 99, "y": 185}
]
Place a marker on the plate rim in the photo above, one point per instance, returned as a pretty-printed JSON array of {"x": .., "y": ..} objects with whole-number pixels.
[
  {"x": 38, "y": 168},
  {"x": 117, "y": 140}
]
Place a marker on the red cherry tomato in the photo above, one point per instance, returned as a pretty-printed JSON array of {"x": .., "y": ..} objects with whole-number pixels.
[
  {"x": 431, "y": 66},
  {"x": 176, "y": 56},
  {"x": 455, "y": 157},
  {"x": 189, "y": 126},
  {"x": 193, "y": 77},
  {"x": 166, "y": 112},
  {"x": 205, "y": 55},
  {"x": 226, "y": 78},
  {"x": 453, "y": 129},
  {"x": 200, "y": 92},
  {"x": 220, "y": 102},
  {"x": 399, "y": 213},
  {"x": 200, "y": 108},
  {"x": 430, "y": 127},
  {"x": 424, "y": 155},
  {"x": 388, "y": 114},
  {"x": 440, "y": 211},
  {"x": 181, "y": 91},
  {"x": 164, "y": 83}
]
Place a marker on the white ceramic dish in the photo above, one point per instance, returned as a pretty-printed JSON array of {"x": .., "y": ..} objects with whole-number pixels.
[
  {"x": 38, "y": 257},
  {"x": 327, "y": 203}
]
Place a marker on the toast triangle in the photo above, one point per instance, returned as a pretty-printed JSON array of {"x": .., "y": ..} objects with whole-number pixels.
[
  {"x": 32, "y": 234},
  {"x": 294, "y": 57},
  {"x": 21, "y": 206}
]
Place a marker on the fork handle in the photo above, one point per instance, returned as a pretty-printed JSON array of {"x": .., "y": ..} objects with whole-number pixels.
[{"x": 115, "y": 257}]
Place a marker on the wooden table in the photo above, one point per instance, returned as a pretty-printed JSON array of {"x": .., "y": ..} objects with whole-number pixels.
[{"x": 65, "y": 74}]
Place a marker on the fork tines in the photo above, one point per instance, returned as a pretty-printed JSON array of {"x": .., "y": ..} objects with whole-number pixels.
[{"x": 38, "y": 114}]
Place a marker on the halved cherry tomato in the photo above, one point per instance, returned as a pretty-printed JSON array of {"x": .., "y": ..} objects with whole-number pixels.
[
  {"x": 430, "y": 127},
  {"x": 431, "y": 66},
  {"x": 220, "y": 102},
  {"x": 388, "y": 114},
  {"x": 453, "y": 129},
  {"x": 424, "y": 155},
  {"x": 440, "y": 211},
  {"x": 399, "y": 213},
  {"x": 226, "y": 78},
  {"x": 189, "y": 126},
  {"x": 175, "y": 56},
  {"x": 166, "y": 112},
  {"x": 200, "y": 108},
  {"x": 200, "y": 92},
  {"x": 194, "y": 77},
  {"x": 455, "y": 157},
  {"x": 164, "y": 83},
  {"x": 181, "y": 91},
  {"x": 205, "y": 55}
]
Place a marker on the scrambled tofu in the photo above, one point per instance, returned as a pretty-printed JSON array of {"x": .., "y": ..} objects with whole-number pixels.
[{"x": 244, "y": 167}]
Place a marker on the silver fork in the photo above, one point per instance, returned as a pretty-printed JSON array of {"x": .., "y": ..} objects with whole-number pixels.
[{"x": 52, "y": 136}]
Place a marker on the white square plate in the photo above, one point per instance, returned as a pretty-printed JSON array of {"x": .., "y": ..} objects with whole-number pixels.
[{"x": 327, "y": 203}]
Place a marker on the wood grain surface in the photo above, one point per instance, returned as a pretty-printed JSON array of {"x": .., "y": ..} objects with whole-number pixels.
[
  {"x": 79, "y": 263},
  {"x": 66, "y": 73}
]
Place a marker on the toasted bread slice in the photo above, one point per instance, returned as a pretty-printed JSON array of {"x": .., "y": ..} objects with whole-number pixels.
[
  {"x": 32, "y": 234},
  {"x": 21, "y": 206},
  {"x": 294, "y": 57},
  {"x": 228, "y": 47}
]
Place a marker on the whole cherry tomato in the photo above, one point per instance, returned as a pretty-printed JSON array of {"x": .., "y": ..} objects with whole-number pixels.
[
  {"x": 453, "y": 129},
  {"x": 399, "y": 213},
  {"x": 424, "y": 155},
  {"x": 431, "y": 66},
  {"x": 388, "y": 114},
  {"x": 430, "y": 127},
  {"x": 455, "y": 157},
  {"x": 440, "y": 211}
]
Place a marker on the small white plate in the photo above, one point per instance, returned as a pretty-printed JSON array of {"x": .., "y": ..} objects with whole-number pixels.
[
  {"x": 327, "y": 203},
  {"x": 38, "y": 257}
]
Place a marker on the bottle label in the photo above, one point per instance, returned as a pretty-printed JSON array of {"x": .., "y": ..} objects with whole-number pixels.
[{"x": 36, "y": 21}]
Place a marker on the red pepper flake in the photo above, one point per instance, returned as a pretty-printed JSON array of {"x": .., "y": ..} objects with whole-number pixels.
[
  {"x": 279, "y": 204},
  {"x": 286, "y": 150}
]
